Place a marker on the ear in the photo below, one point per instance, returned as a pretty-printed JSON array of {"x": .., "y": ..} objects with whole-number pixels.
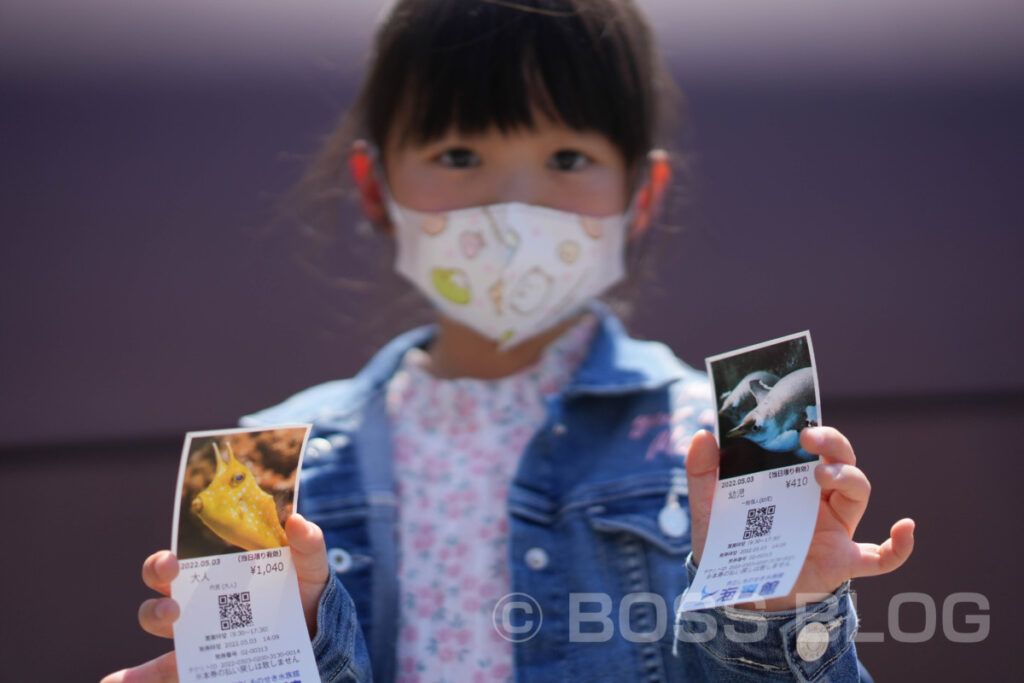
[
  {"x": 360, "y": 165},
  {"x": 650, "y": 196}
]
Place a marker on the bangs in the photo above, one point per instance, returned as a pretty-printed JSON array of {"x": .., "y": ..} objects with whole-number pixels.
[{"x": 474, "y": 64}]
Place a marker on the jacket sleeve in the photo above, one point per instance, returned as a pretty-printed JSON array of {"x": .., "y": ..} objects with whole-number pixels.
[
  {"x": 813, "y": 643},
  {"x": 339, "y": 646}
]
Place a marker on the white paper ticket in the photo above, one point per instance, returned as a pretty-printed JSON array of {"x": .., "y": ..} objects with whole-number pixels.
[
  {"x": 241, "y": 618},
  {"x": 766, "y": 502}
]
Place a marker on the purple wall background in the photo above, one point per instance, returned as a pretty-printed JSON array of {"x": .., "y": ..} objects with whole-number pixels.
[{"x": 146, "y": 291}]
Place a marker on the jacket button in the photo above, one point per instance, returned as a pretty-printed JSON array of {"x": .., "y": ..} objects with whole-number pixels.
[
  {"x": 318, "y": 447},
  {"x": 339, "y": 559},
  {"x": 536, "y": 558},
  {"x": 812, "y": 641},
  {"x": 673, "y": 521},
  {"x": 560, "y": 429}
]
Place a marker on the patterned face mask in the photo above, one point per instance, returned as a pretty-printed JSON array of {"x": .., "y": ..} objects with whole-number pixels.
[{"x": 509, "y": 271}]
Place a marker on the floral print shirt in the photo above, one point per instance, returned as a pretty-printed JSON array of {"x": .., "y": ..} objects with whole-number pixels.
[{"x": 456, "y": 444}]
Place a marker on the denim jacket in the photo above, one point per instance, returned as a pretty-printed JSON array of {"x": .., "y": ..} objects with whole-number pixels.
[{"x": 595, "y": 575}]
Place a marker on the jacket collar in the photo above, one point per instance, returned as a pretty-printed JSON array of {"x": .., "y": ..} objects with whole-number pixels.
[
  {"x": 619, "y": 364},
  {"x": 615, "y": 363}
]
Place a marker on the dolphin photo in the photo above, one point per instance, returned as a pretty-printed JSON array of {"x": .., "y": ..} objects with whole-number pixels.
[
  {"x": 765, "y": 394},
  {"x": 237, "y": 489}
]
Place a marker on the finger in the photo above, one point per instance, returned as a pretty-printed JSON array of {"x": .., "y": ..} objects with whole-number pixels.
[
  {"x": 309, "y": 553},
  {"x": 882, "y": 559},
  {"x": 846, "y": 490},
  {"x": 829, "y": 443},
  {"x": 159, "y": 570},
  {"x": 308, "y": 549},
  {"x": 157, "y": 616},
  {"x": 163, "y": 669},
  {"x": 701, "y": 478}
]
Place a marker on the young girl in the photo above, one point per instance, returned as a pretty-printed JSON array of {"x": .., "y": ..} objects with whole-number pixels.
[{"x": 515, "y": 459}]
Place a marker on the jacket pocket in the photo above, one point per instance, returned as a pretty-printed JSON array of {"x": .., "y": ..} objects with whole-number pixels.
[{"x": 638, "y": 516}]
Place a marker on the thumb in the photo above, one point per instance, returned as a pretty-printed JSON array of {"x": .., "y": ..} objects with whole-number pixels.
[
  {"x": 701, "y": 479},
  {"x": 163, "y": 669},
  {"x": 309, "y": 553}
]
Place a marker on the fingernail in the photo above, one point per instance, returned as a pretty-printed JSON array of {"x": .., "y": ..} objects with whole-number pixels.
[
  {"x": 834, "y": 469},
  {"x": 162, "y": 609}
]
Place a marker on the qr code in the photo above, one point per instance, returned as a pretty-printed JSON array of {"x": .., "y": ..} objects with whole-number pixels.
[
  {"x": 235, "y": 610},
  {"x": 759, "y": 522}
]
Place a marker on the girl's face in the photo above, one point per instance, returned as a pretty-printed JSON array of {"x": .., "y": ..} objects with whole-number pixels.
[{"x": 549, "y": 165}]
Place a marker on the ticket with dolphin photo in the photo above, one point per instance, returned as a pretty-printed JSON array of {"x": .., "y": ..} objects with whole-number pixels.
[
  {"x": 766, "y": 502},
  {"x": 241, "y": 616}
]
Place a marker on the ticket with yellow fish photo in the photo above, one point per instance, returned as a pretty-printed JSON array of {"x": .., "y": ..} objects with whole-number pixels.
[
  {"x": 241, "y": 617},
  {"x": 765, "y": 506}
]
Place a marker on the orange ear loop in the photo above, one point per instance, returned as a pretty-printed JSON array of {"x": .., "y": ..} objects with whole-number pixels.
[
  {"x": 360, "y": 165},
  {"x": 650, "y": 195},
  {"x": 661, "y": 175}
]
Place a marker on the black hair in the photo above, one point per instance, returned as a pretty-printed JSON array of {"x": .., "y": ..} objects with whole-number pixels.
[
  {"x": 480, "y": 63},
  {"x": 474, "y": 64}
]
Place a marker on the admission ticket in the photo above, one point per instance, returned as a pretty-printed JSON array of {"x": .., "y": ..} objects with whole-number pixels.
[
  {"x": 241, "y": 618},
  {"x": 766, "y": 503}
]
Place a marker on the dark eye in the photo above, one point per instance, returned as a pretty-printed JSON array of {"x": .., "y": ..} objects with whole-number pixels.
[
  {"x": 568, "y": 160},
  {"x": 459, "y": 157},
  {"x": 755, "y": 428},
  {"x": 237, "y": 479}
]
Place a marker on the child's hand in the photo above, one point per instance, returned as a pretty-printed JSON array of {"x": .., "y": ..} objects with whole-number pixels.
[
  {"x": 157, "y": 615},
  {"x": 833, "y": 556},
  {"x": 309, "y": 553}
]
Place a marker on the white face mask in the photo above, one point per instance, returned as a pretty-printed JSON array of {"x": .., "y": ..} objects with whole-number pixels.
[{"x": 509, "y": 271}]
